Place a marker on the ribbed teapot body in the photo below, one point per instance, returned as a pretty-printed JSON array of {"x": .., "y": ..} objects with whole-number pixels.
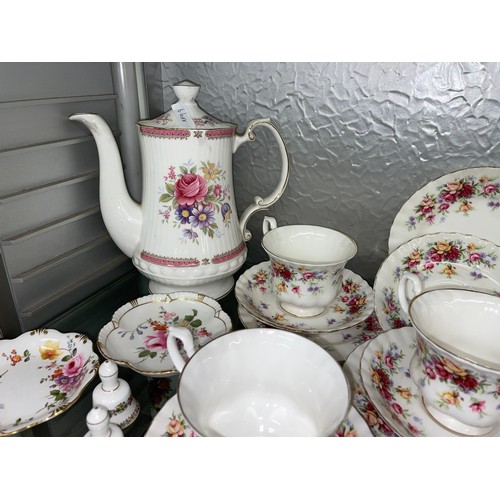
[{"x": 190, "y": 233}]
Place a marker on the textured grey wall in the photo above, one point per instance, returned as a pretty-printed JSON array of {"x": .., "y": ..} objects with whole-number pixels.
[{"x": 362, "y": 137}]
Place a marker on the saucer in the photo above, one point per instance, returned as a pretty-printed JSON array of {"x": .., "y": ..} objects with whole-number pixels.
[
  {"x": 353, "y": 305},
  {"x": 170, "y": 422},
  {"x": 385, "y": 373},
  {"x": 353, "y": 336},
  {"x": 378, "y": 426},
  {"x": 136, "y": 336},
  {"x": 42, "y": 373}
]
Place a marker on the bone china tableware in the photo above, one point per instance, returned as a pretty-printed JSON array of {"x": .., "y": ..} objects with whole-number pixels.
[
  {"x": 259, "y": 382},
  {"x": 170, "y": 422},
  {"x": 385, "y": 373},
  {"x": 352, "y": 306},
  {"x": 42, "y": 373},
  {"x": 307, "y": 263},
  {"x": 466, "y": 201},
  {"x": 136, "y": 336},
  {"x": 457, "y": 362},
  {"x": 352, "y": 337},
  {"x": 439, "y": 260},
  {"x": 185, "y": 235},
  {"x": 377, "y": 425}
]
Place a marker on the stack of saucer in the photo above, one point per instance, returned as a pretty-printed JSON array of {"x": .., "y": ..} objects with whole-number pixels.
[
  {"x": 348, "y": 321},
  {"x": 445, "y": 236}
]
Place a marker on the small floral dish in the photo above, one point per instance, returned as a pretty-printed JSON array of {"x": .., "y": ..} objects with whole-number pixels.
[
  {"x": 442, "y": 260},
  {"x": 353, "y": 336},
  {"x": 42, "y": 373},
  {"x": 466, "y": 201},
  {"x": 385, "y": 372},
  {"x": 352, "y": 306},
  {"x": 378, "y": 426},
  {"x": 170, "y": 422},
  {"x": 136, "y": 336}
]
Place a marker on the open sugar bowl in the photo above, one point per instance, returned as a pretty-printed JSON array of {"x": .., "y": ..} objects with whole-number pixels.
[{"x": 307, "y": 265}]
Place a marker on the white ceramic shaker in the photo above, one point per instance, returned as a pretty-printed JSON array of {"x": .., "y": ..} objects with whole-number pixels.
[
  {"x": 115, "y": 395},
  {"x": 99, "y": 425}
]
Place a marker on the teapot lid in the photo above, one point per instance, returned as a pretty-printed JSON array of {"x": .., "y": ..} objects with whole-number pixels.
[{"x": 186, "y": 113}]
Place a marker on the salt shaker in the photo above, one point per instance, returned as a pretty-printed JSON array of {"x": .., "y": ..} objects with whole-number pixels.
[
  {"x": 114, "y": 394},
  {"x": 99, "y": 425}
]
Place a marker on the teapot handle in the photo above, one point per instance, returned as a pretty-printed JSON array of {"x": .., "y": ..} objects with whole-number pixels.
[
  {"x": 186, "y": 337},
  {"x": 263, "y": 203}
]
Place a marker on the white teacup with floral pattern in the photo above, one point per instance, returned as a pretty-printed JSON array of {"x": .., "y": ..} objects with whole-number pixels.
[
  {"x": 456, "y": 364},
  {"x": 259, "y": 382},
  {"x": 307, "y": 263}
]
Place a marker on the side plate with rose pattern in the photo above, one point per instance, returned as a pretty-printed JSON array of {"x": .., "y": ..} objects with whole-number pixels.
[
  {"x": 441, "y": 260},
  {"x": 466, "y": 201}
]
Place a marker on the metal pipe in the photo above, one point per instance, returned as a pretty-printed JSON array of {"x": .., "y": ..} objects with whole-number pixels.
[{"x": 128, "y": 114}]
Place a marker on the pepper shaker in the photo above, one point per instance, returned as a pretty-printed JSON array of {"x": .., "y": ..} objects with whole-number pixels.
[
  {"x": 115, "y": 395},
  {"x": 99, "y": 425}
]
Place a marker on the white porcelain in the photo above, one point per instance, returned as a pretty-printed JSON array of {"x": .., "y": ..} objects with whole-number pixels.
[
  {"x": 438, "y": 260},
  {"x": 185, "y": 233},
  {"x": 260, "y": 382},
  {"x": 136, "y": 336},
  {"x": 114, "y": 394},
  {"x": 466, "y": 201},
  {"x": 457, "y": 362},
  {"x": 307, "y": 264},
  {"x": 385, "y": 373},
  {"x": 42, "y": 373},
  {"x": 99, "y": 424},
  {"x": 170, "y": 422},
  {"x": 351, "y": 307},
  {"x": 360, "y": 400},
  {"x": 352, "y": 337}
]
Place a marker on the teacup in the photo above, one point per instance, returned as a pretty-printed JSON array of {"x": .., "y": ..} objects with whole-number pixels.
[
  {"x": 307, "y": 264},
  {"x": 259, "y": 382},
  {"x": 456, "y": 364}
]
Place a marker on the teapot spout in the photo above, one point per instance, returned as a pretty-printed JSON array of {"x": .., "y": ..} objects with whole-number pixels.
[{"x": 121, "y": 214}]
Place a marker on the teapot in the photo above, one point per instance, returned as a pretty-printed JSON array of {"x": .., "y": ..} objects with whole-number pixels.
[{"x": 185, "y": 234}]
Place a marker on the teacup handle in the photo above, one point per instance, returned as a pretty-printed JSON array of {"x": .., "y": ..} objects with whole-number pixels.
[
  {"x": 417, "y": 289},
  {"x": 263, "y": 203},
  {"x": 186, "y": 337},
  {"x": 268, "y": 223}
]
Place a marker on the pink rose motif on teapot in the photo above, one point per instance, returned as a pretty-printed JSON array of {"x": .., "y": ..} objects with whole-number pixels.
[{"x": 196, "y": 202}]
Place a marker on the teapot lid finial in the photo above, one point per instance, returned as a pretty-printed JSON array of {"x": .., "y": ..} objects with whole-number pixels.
[{"x": 186, "y": 90}]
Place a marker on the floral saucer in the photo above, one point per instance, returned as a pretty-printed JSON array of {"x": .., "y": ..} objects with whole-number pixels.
[
  {"x": 170, "y": 422},
  {"x": 378, "y": 426},
  {"x": 441, "y": 260},
  {"x": 353, "y": 305},
  {"x": 385, "y": 373},
  {"x": 137, "y": 334},
  {"x": 42, "y": 373},
  {"x": 467, "y": 201},
  {"x": 353, "y": 336}
]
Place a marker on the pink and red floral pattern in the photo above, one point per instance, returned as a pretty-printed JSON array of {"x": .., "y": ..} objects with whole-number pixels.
[
  {"x": 65, "y": 369},
  {"x": 382, "y": 366},
  {"x": 457, "y": 195},
  {"x": 462, "y": 260},
  {"x": 462, "y": 387},
  {"x": 155, "y": 332},
  {"x": 295, "y": 279},
  {"x": 196, "y": 200}
]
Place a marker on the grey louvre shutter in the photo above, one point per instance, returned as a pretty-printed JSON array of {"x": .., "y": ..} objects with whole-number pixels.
[{"x": 55, "y": 250}]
